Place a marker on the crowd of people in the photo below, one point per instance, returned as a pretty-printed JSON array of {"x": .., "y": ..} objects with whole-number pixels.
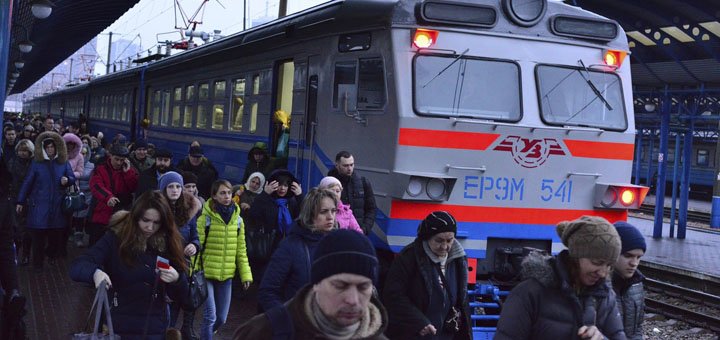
[{"x": 319, "y": 277}]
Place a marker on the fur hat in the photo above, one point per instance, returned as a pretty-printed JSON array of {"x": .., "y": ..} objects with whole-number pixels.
[
  {"x": 590, "y": 237},
  {"x": 436, "y": 222},
  {"x": 344, "y": 251},
  {"x": 630, "y": 237}
]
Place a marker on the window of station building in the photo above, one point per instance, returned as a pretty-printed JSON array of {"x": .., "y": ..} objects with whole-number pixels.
[
  {"x": 218, "y": 109},
  {"x": 703, "y": 157},
  {"x": 238, "y": 104},
  {"x": 177, "y": 103},
  {"x": 189, "y": 105}
]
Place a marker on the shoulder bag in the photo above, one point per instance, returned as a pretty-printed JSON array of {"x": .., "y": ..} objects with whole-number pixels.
[
  {"x": 198, "y": 292},
  {"x": 74, "y": 200},
  {"x": 99, "y": 304}
]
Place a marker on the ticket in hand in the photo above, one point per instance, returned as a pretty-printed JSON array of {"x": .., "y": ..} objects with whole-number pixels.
[{"x": 162, "y": 263}]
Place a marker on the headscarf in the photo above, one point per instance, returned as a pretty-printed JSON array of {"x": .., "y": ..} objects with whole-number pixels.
[{"x": 262, "y": 182}]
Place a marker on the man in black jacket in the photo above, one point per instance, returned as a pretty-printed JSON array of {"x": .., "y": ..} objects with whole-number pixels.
[
  {"x": 149, "y": 178},
  {"x": 357, "y": 191}
]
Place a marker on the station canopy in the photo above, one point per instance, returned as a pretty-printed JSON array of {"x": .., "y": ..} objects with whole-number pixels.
[{"x": 71, "y": 25}]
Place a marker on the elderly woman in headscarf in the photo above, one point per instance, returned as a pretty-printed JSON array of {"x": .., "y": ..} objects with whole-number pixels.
[
  {"x": 567, "y": 296},
  {"x": 253, "y": 187},
  {"x": 42, "y": 193}
]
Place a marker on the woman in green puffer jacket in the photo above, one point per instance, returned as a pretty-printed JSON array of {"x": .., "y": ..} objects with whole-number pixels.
[{"x": 222, "y": 234}]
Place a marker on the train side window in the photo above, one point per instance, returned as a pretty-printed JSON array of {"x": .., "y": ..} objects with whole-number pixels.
[
  {"x": 218, "y": 112},
  {"x": 238, "y": 104},
  {"x": 165, "y": 109},
  {"x": 344, "y": 83},
  {"x": 177, "y": 103},
  {"x": 256, "y": 84},
  {"x": 125, "y": 104},
  {"x": 190, "y": 105},
  {"x": 703, "y": 157},
  {"x": 371, "y": 85},
  {"x": 153, "y": 106},
  {"x": 253, "y": 117}
]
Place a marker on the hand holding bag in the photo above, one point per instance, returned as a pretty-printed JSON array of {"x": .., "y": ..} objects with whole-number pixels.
[
  {"x": 99, "y": 304},
  {"x": 74, "y": 200}
]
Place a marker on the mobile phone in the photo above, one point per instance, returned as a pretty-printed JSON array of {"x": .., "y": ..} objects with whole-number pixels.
[{"x": 162, "y": 263}]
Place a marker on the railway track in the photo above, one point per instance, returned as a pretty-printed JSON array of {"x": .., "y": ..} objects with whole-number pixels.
[
  {"x": 678, "y": 294},
  {"x": 695, "y": 216}
]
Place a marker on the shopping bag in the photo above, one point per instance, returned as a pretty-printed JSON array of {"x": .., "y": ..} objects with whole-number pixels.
[
  {"x": 74, "y": 200},
  {"x": 99, "y": 304},
  {"x": 259, "y": 244}
]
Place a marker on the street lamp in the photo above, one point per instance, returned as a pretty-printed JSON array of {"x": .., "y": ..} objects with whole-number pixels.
[
  {"x": 650, "y": 107},
  {"x": 25, "y": 45},
  {"x": 19, "y": 64},
  {"x": 15, "y": 74},
  {"x": 41, "y": 9}
]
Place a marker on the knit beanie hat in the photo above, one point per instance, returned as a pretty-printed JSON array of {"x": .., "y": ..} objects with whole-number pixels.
[
  {"x": 189, "y": 177},
  {"x": 590, "y": 237},
  {"x": 630, "y": 237},
  {"x": 435, "y": 223},
  {"x": 169, "y": 177},
  {"x": 328, "y": 181},
  {"x": 344, "y": 251}
]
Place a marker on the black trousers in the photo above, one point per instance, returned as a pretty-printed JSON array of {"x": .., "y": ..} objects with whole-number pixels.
[
  {"x": 8, "y": 269},
  {"x": 46, "y": 242}
]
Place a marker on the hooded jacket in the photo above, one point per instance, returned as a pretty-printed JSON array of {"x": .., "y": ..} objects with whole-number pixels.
[
  {"x": 545, "y": 305},
  {"x": 252, "y": 166},
  {"x": 106, "y": 183},
  {"x": 300, "y": 326},
  {"x": 76, "y": 159},
  {"x": 289, "y": 267},
  {"x": 41, "y": 192},
  {"x": 412, "y": 282},
  {"x": 631, "y": 303},
  {"x": 225, "y": 248},
  {"x": 264, "y": 211}
]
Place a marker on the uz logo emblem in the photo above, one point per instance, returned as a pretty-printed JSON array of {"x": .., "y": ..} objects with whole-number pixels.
[{"x": 530, "y": 153}]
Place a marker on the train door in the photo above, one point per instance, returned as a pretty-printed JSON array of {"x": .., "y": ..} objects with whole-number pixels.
[
  {"x": 281, "y": 115},
  {"x": 310, "y": 122}
]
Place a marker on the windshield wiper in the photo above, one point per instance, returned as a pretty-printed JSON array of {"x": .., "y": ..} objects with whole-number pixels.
[
  {"x": 592, "y": 86},
  {"x": 447, "y": 67}
]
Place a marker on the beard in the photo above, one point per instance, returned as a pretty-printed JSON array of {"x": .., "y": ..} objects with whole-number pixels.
[{"x": 162, "y": 168}]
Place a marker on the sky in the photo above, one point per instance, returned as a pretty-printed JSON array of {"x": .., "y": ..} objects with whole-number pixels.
[{"x": 150, "y": 21}]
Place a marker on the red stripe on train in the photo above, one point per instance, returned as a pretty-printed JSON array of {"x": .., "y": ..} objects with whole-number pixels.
[
  {"x": 604, "y": 150},
  {"x": 417, "y": 211},
  {"x": 446, "y": 139}
]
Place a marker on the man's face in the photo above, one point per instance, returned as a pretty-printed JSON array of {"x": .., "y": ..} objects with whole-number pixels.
[
  {"x": 345, "y": 166},
  {"x": 140, "y": 153},
  {"x": 49, "y": 123},
  {"x": 162, "y": 164},
  {"x": 344, "y": 298},
  {"x": 195, "y": 160},
  {"x": 10, "y": 136},
  {"x": 628, "y": 262},
  {"x": 190, "y": 188},
  {"x": 117, "y": 161}
]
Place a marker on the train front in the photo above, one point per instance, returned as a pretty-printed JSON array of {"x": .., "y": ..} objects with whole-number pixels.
[{"x": 512, "y": 118}]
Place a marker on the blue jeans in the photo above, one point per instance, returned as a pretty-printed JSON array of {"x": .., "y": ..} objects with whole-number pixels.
[{"x": 217, "y": 307}]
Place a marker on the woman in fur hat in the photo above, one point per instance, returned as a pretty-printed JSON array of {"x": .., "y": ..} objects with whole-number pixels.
[
  {"x": 567, "y": 296},
  {"x": 42, "y": 194}
]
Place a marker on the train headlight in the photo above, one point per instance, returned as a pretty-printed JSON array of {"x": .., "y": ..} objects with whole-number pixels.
[
  {"x": 619, "y": 196},
  {"x": 425, "y": 38},
  {"x": 627, "y": 196},
  {"x": 415, "y": 186},
  {"x": 614, "y": 58},
  {"x": 435, "y": 189}
]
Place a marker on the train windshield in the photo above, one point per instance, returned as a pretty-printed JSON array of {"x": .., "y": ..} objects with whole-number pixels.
[
  {"x": 581, "y": 97},
  {"x": 466, "y": 87}
]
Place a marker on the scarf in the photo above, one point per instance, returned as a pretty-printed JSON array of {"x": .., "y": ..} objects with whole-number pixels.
[
  {"x": 434, "y": 258},
  {"x": 284, "y": 219},
  {"x": 225, "y": 211}
]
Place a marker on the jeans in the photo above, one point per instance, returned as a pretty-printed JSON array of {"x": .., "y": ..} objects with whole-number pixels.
[{"x": 217, "y": 307}]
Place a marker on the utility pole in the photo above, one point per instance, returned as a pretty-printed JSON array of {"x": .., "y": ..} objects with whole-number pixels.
[
  {"x": 107, "y": 65},
  {"x": 282, "y": 10},
  {"x": 70, "y": 75},
  {"x": 244, "y": 14}
]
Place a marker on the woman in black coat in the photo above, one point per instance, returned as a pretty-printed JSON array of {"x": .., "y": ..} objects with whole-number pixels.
[
  {"x": 426, "y": 288},
  {"x": 567, "y": 296},
  {"x": 126, "y": 259},
  {"x": 279, "y": 203}
]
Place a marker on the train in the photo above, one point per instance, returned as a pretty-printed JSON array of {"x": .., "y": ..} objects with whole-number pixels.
[{"x": 511, "y": 115}]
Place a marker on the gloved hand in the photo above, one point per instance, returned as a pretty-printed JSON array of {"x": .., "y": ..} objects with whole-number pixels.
[
  {"x": 99, "y": 276},
  {"x": 169, "y": 275}
]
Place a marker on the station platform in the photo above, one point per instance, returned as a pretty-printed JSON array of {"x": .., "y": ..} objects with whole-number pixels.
[
  {"x": 58, "y": 307},
  {"x": 698, "y": 253},
  {"x": 693, "y": 204}
]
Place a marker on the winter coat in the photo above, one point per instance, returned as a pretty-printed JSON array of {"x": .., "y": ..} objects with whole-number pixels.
[
  {"x": 189, "y": 231},
  {"x": 411, "y": 284},
  {"x": 205, "y": 172},
  {"x": 132, "y": 287},
  {"x": 9, "y": 150},
  {"x": 630, "y": 297},
  {"x": 19, "y": 168},
  {"x": 84, "y": 185},
  {"x": 98, "y": 155},
  {"x": 149, "y": 180},
  {"x": 545, "y": 305},
  {"x": 105, "y": 183},
  {"x": 289, "y": 267},
  {"x": 76, "y": 159},
  {"x": 297, "y": 324},
  {"x": 225, "y": 249},
  {"x": 139, "y": 165},
  {"x": 263, "y": 166},
  {"x": 345, "y": 218},
  {"x": 357, "y": 192},
  {"x": 42, "y": 193}
]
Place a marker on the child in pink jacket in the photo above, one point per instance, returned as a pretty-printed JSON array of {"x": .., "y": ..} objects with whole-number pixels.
[{"x": 344, "y": 216}]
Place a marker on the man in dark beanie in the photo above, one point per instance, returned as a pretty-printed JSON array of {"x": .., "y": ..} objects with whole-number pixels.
[
  {"x": 627, "y": 281},
  {"x": 338, "y": 303},
  {"x": 139, "y": 157},
  {"x": 426, "y": 288},
  {"x": 149, "y": 178},
  {"x": 190, "y": 184}
]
